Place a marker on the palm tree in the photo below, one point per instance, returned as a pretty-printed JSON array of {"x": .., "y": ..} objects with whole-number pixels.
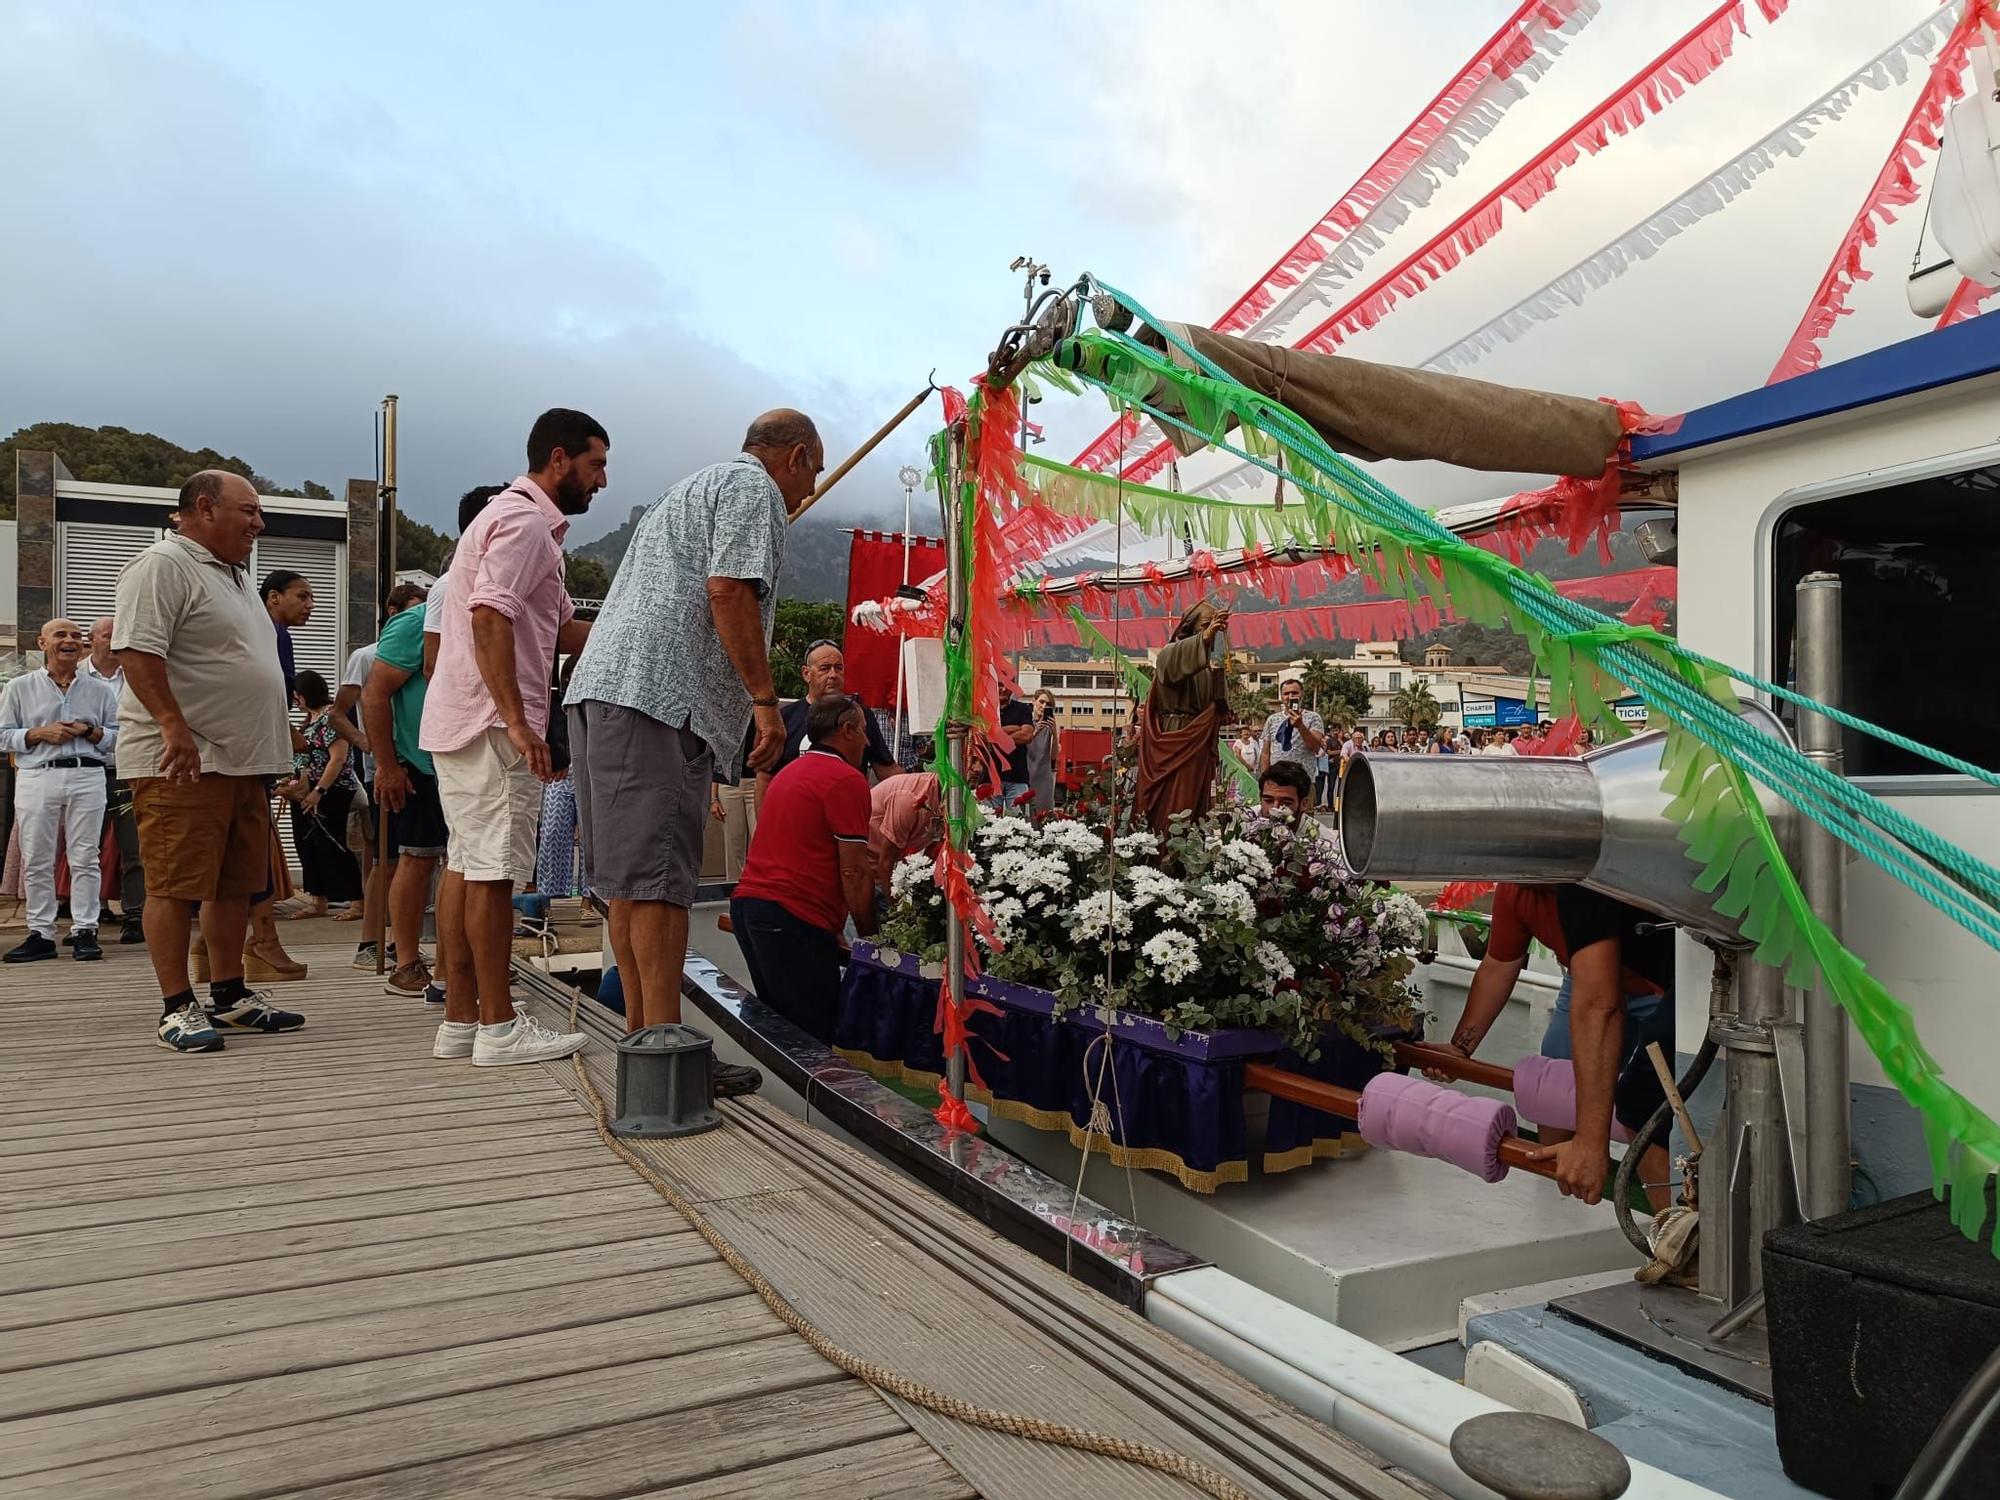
[
  {"x": 1248, "y": 703},
  {"x": 1414, "y": 706},
  {"x": 1316, "y": 680}
]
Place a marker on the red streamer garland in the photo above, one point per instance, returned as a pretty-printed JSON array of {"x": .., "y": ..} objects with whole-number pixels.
[
  {"x": 1894, "y": 187},
  {"x": 1964, "y": 302},
  {"x": 1646, "y": 592}
]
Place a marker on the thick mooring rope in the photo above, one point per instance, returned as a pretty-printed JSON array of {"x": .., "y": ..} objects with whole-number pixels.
[{"x": 1034, "y": 1429}]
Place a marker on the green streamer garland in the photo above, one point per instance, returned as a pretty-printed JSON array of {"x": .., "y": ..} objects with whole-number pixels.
[
  {"x": 1218, "y": 524},
  {"x": 1711, "y": 757}
]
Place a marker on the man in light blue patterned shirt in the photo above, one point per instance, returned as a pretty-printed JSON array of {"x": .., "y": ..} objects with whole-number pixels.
[{"x": 676, "y": 669}]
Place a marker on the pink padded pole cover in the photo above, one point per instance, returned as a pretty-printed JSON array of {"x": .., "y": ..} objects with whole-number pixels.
[
  {"x": 1406, "y": 1113},
  {"x": 1545, "y": 1092}
]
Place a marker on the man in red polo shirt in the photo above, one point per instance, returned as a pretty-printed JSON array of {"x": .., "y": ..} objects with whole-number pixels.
[{"x": 808, "y": 870}]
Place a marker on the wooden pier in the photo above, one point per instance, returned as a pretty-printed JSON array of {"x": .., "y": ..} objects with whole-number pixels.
[{"x": 326, "y": 1264}]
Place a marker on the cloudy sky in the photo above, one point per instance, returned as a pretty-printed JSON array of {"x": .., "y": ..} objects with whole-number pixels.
[{"x": 241, "y": 224}]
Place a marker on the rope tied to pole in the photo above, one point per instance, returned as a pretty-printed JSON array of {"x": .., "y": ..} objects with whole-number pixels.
[{"x": 1200, "y": 1476}]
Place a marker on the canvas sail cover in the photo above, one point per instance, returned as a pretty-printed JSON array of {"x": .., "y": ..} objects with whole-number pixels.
[{"x": 1372, "y": 411}]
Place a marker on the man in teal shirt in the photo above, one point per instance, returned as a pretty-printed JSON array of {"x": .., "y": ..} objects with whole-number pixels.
[{"x": 392, "y": 712}]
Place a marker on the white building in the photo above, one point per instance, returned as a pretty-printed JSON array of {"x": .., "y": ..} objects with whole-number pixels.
[
  {"x": 1088, "y": 694},
  {"x": 1381, "y": 663}
]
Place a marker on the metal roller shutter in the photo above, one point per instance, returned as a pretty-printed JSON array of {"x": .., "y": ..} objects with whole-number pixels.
[
  {"x": 89, "y": 558},
  {"x": 320, "y": 643}
]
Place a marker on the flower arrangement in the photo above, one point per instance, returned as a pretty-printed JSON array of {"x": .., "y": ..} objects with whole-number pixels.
[{"x": 1234, "y": 919}]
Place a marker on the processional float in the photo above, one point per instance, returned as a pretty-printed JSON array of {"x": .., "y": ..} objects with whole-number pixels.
[{"x": 1630, "y": 819}]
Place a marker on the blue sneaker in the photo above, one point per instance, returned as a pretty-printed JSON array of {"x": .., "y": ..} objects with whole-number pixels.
[
  {"x": 188, "y": 1030},
  {"x": 251, "y": 1012}
]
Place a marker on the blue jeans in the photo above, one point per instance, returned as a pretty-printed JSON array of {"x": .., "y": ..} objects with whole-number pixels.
[{"x": 1648, "y": 1018}]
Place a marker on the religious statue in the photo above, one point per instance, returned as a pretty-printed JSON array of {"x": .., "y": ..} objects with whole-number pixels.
[{"x": 1183, "y": 718}]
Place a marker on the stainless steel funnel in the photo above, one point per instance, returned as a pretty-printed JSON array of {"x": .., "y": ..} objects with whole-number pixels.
[{"x": 1600, "y": 821}]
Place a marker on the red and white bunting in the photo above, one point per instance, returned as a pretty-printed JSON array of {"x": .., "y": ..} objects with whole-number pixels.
[
  {"x": 1894, "y": 187},
  {"x": 1437, "y": 142},
  {"x": 1686, "y": 62}
]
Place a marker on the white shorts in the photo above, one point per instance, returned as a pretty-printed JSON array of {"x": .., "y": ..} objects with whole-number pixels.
[{"x": 492, "y": 809}]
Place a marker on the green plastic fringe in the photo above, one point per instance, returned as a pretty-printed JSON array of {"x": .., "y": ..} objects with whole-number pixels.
[{"x": 1712, "y": 757}]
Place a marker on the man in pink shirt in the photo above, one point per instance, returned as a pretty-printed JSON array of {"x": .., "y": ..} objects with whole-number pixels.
[
  {"x": 903, "y": 819},
  {"x": 506, "y": 614}
]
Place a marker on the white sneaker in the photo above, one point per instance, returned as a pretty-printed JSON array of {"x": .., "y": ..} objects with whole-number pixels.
[
  {"x": 454, "y": 1039},
  {"x": 523, "y": 1040}
]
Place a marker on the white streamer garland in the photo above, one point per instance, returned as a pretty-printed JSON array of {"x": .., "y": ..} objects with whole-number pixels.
[
  {"x": 1711, "y": 194},
  {"x": 1473, "y": 122}
]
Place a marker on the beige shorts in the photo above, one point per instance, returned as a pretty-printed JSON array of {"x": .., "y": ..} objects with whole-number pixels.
[{"x": 492, "y": 809}]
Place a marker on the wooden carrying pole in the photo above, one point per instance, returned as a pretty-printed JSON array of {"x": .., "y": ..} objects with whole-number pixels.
[
  {"x": 1335, "y": 1100},
  {"x": 864, "y": 450},
  {"x": 1455, "y": 1065}
]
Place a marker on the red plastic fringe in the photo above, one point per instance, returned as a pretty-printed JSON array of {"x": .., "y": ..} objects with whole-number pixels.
[
  {"x": 1646, "y": 590},
  {"x": 1502, "y": 54},
  {"x": 1461, "y": 894},
  {"x": 994, "y": 464},
  {"x": 1964, "y": 302},
  {"x": 1894, "y": 187}
]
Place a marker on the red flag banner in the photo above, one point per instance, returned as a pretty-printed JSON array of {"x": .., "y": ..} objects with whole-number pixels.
[{"x": 874, "y": 571}]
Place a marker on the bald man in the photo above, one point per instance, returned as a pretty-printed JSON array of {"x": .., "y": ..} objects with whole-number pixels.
[
  {"x": 60, "y": 725},
  {"x": 204, "y": 723},
  {"x": 675, "y": 672}
]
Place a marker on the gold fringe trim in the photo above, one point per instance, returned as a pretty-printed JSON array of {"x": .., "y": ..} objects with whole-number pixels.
[
  {"x": 1153, "y": 1159},
  {"x": 1140, "y": 1158},
  {"x": 876, "y": 1068},
  {"x": 1322, "y": 1148}
]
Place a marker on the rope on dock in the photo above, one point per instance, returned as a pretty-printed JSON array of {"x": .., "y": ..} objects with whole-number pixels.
[{"x": 1035, "y": 1429}]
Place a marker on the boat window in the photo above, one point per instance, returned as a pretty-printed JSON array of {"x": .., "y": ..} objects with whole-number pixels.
[{"x": 1919, "y": 566}]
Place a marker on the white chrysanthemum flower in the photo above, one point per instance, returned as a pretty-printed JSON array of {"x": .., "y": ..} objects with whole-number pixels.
[
  {"x": 1005, "y": 832},
  {"x": 1271, "y": 958},
  {"x": 1008, "y": 866},
  {"x": 1400, "y": 922},
  {"x": 1241, "y": 857},
  {"x": 911, "y": 872},
  {"x": 1173, "y": 954},
  {"x": 1089, "y": 918},
  {"x": 1008, "y": 914},
  {"x": 1071, "y": 837},
  {"x": 1047, "y": 871},
  {"x": 1228, "y": 899},
  {"x": 1270, "y": 967}
]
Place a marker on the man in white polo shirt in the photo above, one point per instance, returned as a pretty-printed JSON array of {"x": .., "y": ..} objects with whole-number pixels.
[{"x": 203, "y": 728}]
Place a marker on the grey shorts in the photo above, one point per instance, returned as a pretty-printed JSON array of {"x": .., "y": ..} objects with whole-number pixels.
[{"x": 642, "y": 798}]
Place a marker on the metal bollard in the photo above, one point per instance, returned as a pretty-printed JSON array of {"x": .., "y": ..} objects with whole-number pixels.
[
  {"x": 1523, "y": 1456},
  {"x": 665, "y": 1083}
]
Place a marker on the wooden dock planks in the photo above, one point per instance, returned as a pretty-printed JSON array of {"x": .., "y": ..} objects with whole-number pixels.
[{"x": 328, "y": 1264}]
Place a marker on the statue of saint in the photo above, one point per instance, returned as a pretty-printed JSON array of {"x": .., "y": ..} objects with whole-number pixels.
[{"x": 1183, "y": 718}]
